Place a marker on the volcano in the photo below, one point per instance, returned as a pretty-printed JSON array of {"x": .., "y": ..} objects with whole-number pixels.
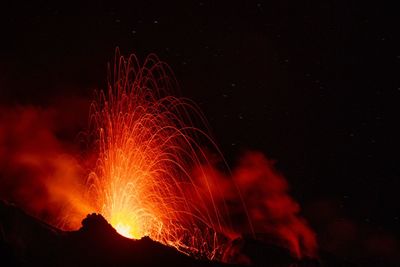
[
  {"x": 28, "y": 241},
  {"x": 158, "y": 190}
]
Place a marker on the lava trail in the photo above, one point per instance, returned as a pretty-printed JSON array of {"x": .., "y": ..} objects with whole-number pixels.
[
  {"x": 147, "y": 148},
  {"x": 154, "y": 170}
]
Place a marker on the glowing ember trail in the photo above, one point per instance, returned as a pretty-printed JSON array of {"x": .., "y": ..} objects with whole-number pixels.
[
  {"x": 147, "y": 148},
  {"x": 155, "y": 174}
]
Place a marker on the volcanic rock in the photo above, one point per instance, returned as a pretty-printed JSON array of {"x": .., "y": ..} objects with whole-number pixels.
[{"x": 27, "y": 241}]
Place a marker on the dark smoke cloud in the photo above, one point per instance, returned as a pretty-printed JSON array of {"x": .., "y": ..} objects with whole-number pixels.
[{"x": 349, "y": 238}]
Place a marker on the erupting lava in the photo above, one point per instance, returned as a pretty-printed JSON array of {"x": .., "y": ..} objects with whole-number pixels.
[
  {"x": 153, "y": 174},
  {"x": 147, "y": 147}
]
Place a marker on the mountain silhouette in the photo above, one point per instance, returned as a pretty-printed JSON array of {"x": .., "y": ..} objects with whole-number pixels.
[{"x": 28, "y": 241}]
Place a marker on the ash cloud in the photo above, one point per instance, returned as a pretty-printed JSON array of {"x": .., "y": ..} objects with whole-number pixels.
[{"x": 348, "y": 238}]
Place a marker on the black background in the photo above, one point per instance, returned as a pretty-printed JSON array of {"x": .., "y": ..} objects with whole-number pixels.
[{"x": 312, "y": 84}]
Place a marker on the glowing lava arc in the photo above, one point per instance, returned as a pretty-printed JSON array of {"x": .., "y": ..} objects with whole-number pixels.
[{"x": 147, "y": 147}]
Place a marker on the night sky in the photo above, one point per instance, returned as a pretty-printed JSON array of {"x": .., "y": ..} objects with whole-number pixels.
[{"x": 312, "y": 85}]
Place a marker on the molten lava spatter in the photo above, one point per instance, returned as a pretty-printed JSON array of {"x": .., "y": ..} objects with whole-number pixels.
[
  {"x": 152, "y": 176},
  {"x": 147, "y": 147}
]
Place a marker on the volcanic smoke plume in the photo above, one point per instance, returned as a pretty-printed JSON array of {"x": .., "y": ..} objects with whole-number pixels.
[
  {"x": 39, "y": 171},
  {"x": 266, "y": 203},
  {"x": 152, "y": 173}
]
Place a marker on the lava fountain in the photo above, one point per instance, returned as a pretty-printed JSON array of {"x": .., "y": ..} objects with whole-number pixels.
[
  {"x": 155, "y": 173},
  {"x": 147, "y": 147}
]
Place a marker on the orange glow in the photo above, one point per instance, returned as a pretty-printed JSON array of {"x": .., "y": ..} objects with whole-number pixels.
[
  {"x": 125, "y": 229},
  {"x": 153, "y": 173},
  {"x": 147, "y": 148}
]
